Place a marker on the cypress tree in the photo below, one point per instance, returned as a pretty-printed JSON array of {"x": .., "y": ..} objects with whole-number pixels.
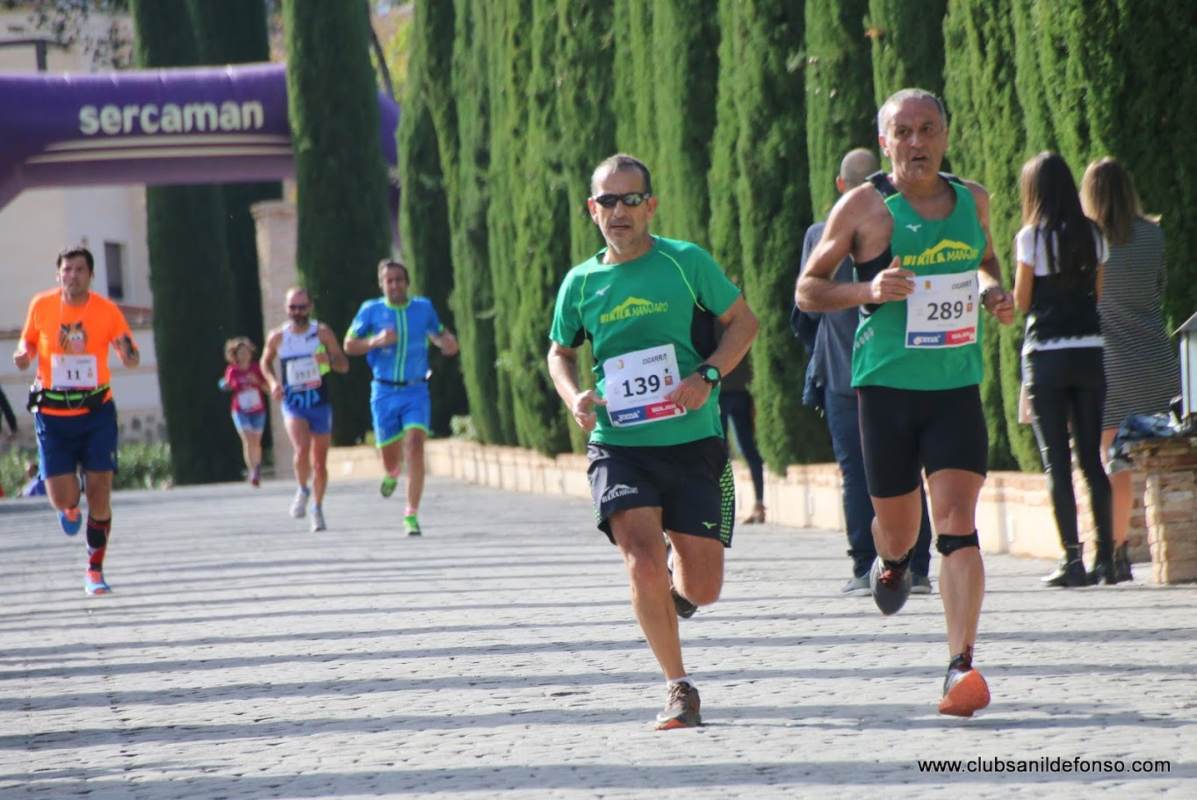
[
  {"x": 774, "y": 202},
  {"x": 423, "y": 212},
  {"x": 990, "y": 146},
  {"x": 840, "y": 111},
  {"x": 234, "y": 32},
  {"x": 509, "y": 68},
  {"x": 723, "y": 177},
  {"x": 585, "y": 86},
  {"x": 456, "y": 75},
  {"x": 542, "y": 237},
  {"x": 908, "y": 46},
  {"x": 340, "y": 176},
  {"x": 634, "y": 69},
  {"x": 190, "y": 281},
  {"x": 685, "y": 78}
]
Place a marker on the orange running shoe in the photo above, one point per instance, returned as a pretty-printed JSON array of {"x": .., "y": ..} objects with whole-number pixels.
[{"x": 964, "y": 692}]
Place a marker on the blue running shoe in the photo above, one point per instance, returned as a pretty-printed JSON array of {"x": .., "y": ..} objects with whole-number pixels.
[
  {"x": 94, "y": 583},
  {"x": 71, "y": 521}
]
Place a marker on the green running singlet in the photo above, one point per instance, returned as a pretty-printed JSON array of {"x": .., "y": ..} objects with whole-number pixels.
[
  {"x": 668, "y": 296},
  {"x": 885, "y": 352}
]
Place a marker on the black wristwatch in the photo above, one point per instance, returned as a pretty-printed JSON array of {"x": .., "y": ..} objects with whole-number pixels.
[{"x": 709, "y": 373}]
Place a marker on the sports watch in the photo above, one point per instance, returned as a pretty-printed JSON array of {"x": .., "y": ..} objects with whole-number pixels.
[{"x": 709, "y": 373}]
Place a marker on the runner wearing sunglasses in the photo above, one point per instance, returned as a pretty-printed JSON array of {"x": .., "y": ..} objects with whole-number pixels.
[
  {"x": 658, "y": 460},
  {"x": 307, "y": 351}
]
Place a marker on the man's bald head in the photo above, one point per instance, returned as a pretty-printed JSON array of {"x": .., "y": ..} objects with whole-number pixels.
[{"x": 858, "y": 165}]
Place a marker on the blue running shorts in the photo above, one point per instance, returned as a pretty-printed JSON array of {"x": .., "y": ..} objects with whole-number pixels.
[
  {"x": 253, "y": 422},
  {"x": 65, "y": 443},
  {"x": 398, "y": 411},
  {"x": 319, "y": 418}
]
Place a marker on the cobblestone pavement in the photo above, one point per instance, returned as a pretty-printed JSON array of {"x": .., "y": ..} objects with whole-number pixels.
[{"x": 243, "y": 657}]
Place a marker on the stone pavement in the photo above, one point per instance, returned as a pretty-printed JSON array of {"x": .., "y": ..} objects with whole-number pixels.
[{"x": 243, "y": 657}]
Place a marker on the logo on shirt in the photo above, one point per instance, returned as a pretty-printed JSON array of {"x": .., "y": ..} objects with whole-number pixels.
[
  {"x": 72, "y": 338},
  {"x": 633, "y": 307},
  {"x": 946, "y": 252},
  {"x": 602, "y": 291},
  {"x": 915, "y": 228}
]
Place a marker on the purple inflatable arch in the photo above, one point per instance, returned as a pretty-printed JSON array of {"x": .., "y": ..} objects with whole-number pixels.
[{"x": 208, "y": 125}]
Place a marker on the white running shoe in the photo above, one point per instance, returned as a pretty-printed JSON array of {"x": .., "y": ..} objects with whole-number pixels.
[
  {"x": 317, "y": 519},
  {"x": 300, "y": 503}
]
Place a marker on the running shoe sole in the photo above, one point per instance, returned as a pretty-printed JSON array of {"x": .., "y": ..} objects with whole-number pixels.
[
  {"x": 673, "y": 724},
  {"x": 888, "y": 600},
  {"x": 70, "y": 526},
  {"x": 969, "y": 695}
]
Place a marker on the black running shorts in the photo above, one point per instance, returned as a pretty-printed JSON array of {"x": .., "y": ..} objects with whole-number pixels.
[
  {"x": 691, "y": 483},
  {"x": 902, "y": 430}
]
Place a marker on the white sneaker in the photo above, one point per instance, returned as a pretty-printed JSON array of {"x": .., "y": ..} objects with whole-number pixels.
[
  {"x": 317, "y": 519},
  {"x": 300, "y": 503},
  {"x": 856, "y": 587}
]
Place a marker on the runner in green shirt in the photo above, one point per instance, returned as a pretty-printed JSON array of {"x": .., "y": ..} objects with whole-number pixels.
[
  {"x": 925, "y": 268},
  {"x": 658, "y": 460}
]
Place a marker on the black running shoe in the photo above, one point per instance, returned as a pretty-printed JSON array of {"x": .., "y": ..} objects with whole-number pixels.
[
  {"x": 890, "y": 585},
  {"x": 681, "y": 709},
  {"x": 685, "y": 609}
]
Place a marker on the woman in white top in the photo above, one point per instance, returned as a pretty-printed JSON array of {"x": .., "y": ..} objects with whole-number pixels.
[{"x": 1060, "y": 254}]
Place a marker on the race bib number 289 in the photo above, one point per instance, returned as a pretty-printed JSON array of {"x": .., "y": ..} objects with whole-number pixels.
[
  {"x": 637, "y": 383},
  {"x": 942, "y": 311}
]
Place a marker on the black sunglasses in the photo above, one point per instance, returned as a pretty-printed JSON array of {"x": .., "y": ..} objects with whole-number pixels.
[
  {"x": 631, "y": 199},
  {"x": 303, "y": 307}
]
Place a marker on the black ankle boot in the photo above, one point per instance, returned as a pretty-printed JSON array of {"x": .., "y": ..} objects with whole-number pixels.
[
  {"x": 1070, "y": 572},
  {"x": 1122, "y": 564},
  {"x": 1103, "y": 571}
]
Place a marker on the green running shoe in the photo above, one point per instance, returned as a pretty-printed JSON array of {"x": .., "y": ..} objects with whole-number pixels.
[
  {"x": 387, "y": 488},
  {"x": 411, "y": 525}
]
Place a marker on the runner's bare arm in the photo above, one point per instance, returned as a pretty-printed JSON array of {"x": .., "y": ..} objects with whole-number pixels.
[
  {"x": 446, "y": 341},
  {"x": 817, "y": 291},
  {"x": 997, "y": 300},
  {"x": 127, "y": 351},
  {"x": 563, "y": 369},
  {"x": 267, "y": 364},
  {"x": 336, "y": 356}
]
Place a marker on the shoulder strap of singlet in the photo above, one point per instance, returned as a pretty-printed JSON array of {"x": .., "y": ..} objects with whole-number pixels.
[{"x": 882, "y": 184}]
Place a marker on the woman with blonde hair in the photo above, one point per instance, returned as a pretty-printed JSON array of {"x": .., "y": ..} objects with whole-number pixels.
[
  {"x": 1142, "y": 369},
  {"x": 1060, "y": 253},
  {"x": 244, "y": 379}
]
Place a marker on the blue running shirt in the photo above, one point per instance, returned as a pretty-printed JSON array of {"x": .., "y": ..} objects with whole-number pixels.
[{"x": 406, "y": 361}]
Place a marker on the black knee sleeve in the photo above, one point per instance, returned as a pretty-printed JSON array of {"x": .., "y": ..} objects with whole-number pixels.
[{"x": 946, "y": 545}]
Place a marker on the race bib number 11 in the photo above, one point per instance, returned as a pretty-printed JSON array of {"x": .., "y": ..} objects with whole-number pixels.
[
  {"x": 636, "y": 384},
  {"x": 943, "y": 311},
  {"x": 73, "y": 372}
]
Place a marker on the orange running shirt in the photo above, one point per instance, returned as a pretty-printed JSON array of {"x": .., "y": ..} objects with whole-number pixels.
[{"x": 54, "y": 327}]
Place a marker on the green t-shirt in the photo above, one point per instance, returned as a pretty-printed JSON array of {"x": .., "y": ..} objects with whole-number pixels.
[
  {"x": 888, "y": 352},
  {"x": 671, "y": 295}
]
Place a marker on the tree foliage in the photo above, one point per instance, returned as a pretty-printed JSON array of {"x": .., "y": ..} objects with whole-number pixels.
[
  {"x": 190, "y": 281},
  {"x": 340, "y": 177}
]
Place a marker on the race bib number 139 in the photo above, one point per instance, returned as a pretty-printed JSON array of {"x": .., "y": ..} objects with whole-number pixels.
[{"x": 636, "y": 384}]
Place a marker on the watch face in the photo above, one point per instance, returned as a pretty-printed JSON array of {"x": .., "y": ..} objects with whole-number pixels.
[{"x": 711, "y": 374}]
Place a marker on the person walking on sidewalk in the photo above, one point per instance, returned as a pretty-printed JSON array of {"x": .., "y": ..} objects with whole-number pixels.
[
  {"x": 925, "y": 267},
  {"x": 829, "y": 374},
  {"x": 393, "y": 332},
  {"x": 307, "y": 351},
  {"x": 69, "y": 330},
  {"x": 658, "y": 459}
]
